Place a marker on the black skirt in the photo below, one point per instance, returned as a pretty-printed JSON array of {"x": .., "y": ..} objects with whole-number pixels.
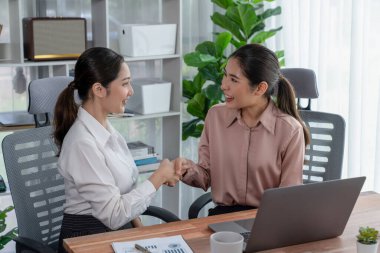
[
  {"x": 74, "y": 225},
  {"x": 228, "y": 209}
]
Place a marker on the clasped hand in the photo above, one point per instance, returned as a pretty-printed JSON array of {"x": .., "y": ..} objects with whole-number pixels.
[{"x": 176, "y": 169}]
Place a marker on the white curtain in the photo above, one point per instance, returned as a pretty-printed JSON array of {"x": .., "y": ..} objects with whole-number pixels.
[{"x": 340, "y": 41}]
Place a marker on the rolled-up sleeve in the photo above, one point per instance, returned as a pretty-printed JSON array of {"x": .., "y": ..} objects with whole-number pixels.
[{"x": 199, "y": 174}]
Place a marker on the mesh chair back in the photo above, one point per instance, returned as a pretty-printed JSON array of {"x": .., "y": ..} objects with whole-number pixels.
[
  {"x": 37, "y": 188},
  {"x": 324, "y": 156},
  {"x": 43, "y": 95},
  {"x": 304, "y": 82}
]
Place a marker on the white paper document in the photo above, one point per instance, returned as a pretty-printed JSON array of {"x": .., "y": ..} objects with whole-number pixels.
[{"x": 171, "y": 244}]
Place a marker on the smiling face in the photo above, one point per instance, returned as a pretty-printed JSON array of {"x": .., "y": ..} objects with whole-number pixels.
[
  {"x": 118, "y": 91},
  {"x": 236, "y": 88}
]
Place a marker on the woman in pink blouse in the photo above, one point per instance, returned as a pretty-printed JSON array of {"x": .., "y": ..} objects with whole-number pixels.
[{"x": 251, "y": 142}]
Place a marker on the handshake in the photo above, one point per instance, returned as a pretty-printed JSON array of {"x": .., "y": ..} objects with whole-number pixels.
[{"x": 173, "y": 171}]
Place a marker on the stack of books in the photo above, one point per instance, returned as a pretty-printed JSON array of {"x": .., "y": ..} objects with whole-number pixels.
[{"x": 142, "y": 153}]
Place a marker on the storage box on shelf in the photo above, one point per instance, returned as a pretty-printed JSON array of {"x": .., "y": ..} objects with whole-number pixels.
[
  {"x": 147, "y": 40},
  {"x": 150, "y": 96}
]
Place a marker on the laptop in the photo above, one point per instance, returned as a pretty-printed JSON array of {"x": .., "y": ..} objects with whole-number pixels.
[
  {"x": 298, "y": 214},
  {"x": 16, "y": 118}
]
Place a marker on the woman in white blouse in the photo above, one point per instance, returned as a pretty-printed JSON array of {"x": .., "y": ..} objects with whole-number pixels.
[{"x": 99, "y": 172}]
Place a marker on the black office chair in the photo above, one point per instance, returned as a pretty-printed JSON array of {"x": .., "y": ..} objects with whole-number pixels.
[
  {"x": 43, "y": 95},
  {"x": 324, "y": 155},
  {"x": 37, "y": 189}
]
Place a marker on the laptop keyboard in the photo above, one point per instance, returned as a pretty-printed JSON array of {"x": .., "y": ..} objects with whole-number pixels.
[{"x": 246, "y": 235}]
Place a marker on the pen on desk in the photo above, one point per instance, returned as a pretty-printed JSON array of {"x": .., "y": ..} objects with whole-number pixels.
[{"x": 141, "y": 248}]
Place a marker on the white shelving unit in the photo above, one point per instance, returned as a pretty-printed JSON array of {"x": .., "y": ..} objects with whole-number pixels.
[{"x": 103, "y": 18}]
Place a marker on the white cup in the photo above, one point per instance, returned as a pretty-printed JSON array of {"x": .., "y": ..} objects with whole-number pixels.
[{"x": 226, "y": 242}]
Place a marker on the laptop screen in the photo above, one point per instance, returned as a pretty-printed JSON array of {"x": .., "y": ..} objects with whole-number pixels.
[{"x": 299, "y": 214}]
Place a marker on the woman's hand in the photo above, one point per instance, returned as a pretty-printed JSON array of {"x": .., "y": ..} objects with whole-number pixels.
[
  {"x": 182, "y": 165},
  {"x": 136, "y": 222},
  {"x": 165, "y": 174}
]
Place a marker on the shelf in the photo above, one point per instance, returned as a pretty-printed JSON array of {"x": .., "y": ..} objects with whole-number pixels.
[
  {"x": 6, "y": 63},
  {"x": 151, "y": 57},
  {"x": 10, "y": 63},
  {"x": 147, "y": 116}
]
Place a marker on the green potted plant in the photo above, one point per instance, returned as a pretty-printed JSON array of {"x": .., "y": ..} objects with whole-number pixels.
[
  {"x": 367, "y": 240},
  {"x": 7, "y": 237},
  {"x": 242, "y": 22}
]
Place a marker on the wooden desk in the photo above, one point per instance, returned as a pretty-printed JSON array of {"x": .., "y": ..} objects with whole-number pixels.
[
  {"x": 196, "y": 232},
  {"x": 15, "y": 120},
  {"x": 15, "y": 128}
]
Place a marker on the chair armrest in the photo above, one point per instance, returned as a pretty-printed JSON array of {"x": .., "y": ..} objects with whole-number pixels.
[
  {"x": 161, "y": 213},
  {"x": 23, "y": 243},
  {"x": 198, "y": 204}
]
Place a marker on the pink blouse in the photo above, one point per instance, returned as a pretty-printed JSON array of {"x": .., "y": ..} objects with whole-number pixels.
[{"x": 239, "y": 162}]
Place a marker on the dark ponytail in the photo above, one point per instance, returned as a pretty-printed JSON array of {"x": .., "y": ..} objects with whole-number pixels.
[
  {"x": 261, "y": 64},
  {"x": 95, "y": 65},
  {"x": 65, "y": 113},
  {"x": 286, "y": 102}
]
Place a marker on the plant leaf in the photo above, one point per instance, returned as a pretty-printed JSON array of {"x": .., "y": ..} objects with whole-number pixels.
[
  {"x": 198, "y": 82},
  {"x": 223, "y": 3},
  {"x": 238, "y": 43},
  {"x": 189, "y": 127},
  {"x": 213, "y": 92},
  {"x": 3, "y": 213},
  {"x": 188, "y": 89},
  {"x": 270, "y": 12},
  {"x": 206, "y": 47},
  {"x": 264, "y": 35},
  {"x": 196, "y": 105},
  {"x": 221, "y": 43},
  {"x": 198, "y": 130},
  {"x": 3, "y": 226},
  {"x": 212, "y": 73},
  {"x": 245, "y": 16},
  {"x": 228, "y": 24},
  {"x": 280, "y": 53},
  {"x": 281, "y": 57},
  {"x": 256, "y": 28},
  {"x": 9, "y": 236},
  {"x": 282, "y": 62},
  {"x": 258, "y": 6},
  {"x": 196, "y": 59}
]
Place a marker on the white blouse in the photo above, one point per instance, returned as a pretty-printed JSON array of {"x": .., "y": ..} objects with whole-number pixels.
[{"x": 100, "y": 175}]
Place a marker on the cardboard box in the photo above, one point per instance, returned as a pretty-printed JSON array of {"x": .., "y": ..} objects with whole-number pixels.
[
  {"x": 146, "y": 40},
  {"x": 150, "y": 96}
]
